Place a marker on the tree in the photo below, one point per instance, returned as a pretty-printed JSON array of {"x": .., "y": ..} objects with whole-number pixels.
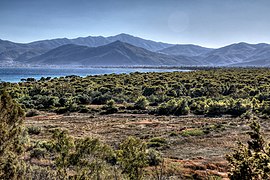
[
  {"x": 132, "y": 157},
  {"x": 217, "y": 108},
  {"x": 141, "y": 103},
  {"x": 252, "y": 161},
  {"x": 86, "y": 158},
  {"x": 199, "y": 107},
  {"x": 110, "y": 107},
  {"x": 182, "y": 108},
  {"x": 167, "y": 108},
  {"x": 174, "y": 107},
  {"x": 11, "y": 117},
  {"x": 63, "y": 145}
]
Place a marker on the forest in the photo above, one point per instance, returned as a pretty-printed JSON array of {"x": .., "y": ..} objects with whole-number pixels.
[{"x": 202, "y": 105}]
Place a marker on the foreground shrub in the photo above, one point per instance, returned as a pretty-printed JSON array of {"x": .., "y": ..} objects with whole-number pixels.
[
  {"x": 11, "y": 132},
  {"x": 87, "y": 158},
  {"x": 132, "y": 157},
  {"x": 251, "y": 161}
]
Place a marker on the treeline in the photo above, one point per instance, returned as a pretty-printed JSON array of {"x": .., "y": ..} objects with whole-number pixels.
[{"x": 204, "y": 92}]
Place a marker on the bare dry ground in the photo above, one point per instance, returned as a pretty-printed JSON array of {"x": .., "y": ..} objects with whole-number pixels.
[{"x": 190, "y": 144}]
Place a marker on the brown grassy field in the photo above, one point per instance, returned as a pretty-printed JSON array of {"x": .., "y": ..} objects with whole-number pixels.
[{"x": 190, "y": 145}]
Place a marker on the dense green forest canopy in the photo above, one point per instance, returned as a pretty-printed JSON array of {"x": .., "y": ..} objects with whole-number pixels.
[{"x": 232, "y": 91}]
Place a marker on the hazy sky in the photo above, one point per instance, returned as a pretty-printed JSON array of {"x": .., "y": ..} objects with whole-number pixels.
[{"x": 211, "y": 23}]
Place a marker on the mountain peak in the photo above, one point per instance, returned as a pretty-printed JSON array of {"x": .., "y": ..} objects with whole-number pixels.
[
  {"x": 242, "y": 43},
  {"x": 124, "y": 34}
]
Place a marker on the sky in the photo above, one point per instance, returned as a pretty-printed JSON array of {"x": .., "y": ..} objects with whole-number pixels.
[{"x": 209, "y": 23}]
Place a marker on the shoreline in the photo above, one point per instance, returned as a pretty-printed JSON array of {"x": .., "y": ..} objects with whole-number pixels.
[{"x": 139, "y": 67}]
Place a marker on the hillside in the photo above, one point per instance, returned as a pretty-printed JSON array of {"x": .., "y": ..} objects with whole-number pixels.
[
  {"x": 113, "y": 54},
  {"x": 95, "y": 41},
  {"x": 236, "y": 54},
  {"x": 15, "y": 52},
  {"x": 185, "y": 50}
]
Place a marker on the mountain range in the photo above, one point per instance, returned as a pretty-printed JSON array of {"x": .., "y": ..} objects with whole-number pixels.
[
  {"x": 127, "y": 50},
  {"x": 114, "y": 54}
]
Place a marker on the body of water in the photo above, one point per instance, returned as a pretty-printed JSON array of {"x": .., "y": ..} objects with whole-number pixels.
[{"x": 16, "y": 74}]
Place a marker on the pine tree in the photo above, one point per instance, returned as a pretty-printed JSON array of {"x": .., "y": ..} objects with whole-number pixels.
[
  {"x": 251, "y": 161},
  {"x": 132, "y": 157},
  {"x": 11, "y": 117}
]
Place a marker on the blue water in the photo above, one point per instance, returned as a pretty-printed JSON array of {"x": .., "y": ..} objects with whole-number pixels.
[{"x": 16, "y": 74}]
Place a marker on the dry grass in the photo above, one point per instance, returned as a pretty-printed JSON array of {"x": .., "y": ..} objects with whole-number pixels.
[{"x": 200, "y": 154}]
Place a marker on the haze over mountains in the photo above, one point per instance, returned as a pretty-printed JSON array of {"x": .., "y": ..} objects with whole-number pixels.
[{"x": 127, "y": 50}]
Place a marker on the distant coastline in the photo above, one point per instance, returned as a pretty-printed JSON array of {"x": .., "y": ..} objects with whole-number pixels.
[
  {"x": 132, "y": 67},
  {"x": 16, "y": 74}
]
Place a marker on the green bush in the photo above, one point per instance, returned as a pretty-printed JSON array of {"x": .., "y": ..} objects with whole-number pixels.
[
  {"x": 153, "y": 157},
  {"x": 174, "y": 107},
  {"x": 110, "y": 107},
  {"x": 141, "y": 103},
  {"x": 199, "y": 107},
  {"x": 193, "y": 132},
  {"x": 182, "y": 108},
  {"x": 34, "y": 130},
  {"x": 250, "y": 161},
  {"x": 11, "y": 133},
  {"x": 83, "y": 109},
  {"x": 217, "y": 108},
  {"x": 38, "y": 153},
  {"x": 240, "y": 107},
  {"x": 157, "y": 142},
  {"x": 101, "y": 99},
  {"x": 83, "y": 99},
  {"x": 132, "y": 156}
]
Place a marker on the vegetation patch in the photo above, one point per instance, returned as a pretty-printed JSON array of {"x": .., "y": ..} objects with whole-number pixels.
[
  {"x": 214, "y": 92},
  {"x": 192, "y": 132},
  {"x": 157, "y": 142}
]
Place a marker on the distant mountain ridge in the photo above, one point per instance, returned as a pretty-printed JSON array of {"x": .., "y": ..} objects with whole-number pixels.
[
  {"x": 95, "y": 41},
  {"x": 185, "y": 50},
  {"x": 38, "y": 47},
  {"x": 239, "y": 53},
  {"x": 133, "y": 51},
  {"x": 114, "y": 54}
]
